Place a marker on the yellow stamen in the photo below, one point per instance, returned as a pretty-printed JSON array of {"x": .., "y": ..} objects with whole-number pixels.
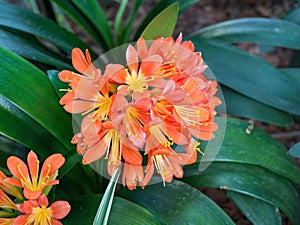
[
  {"x": 39, "y": 216},
  {"x": 159, "y": 133},
  {"x": 26, "y": 182},
  {"x": 162, "y": 165}
]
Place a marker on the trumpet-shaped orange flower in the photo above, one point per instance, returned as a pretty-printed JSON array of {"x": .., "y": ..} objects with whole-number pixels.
[
  {"x": 7, "y": 221},
  {"x": 30, "y": 177},
  {"x": 157, "y": 100},
  {"x": 167, "y": 163},
  {"x": 8, "y": 188},
  {"x": 6, "y": 202},
  {"x": 37, "y": 212}
]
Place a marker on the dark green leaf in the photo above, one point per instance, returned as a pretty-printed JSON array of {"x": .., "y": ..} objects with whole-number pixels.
[
  {"x": 252, "y": 180},
  {"x": 118, "y": 31},
  {"x": 73, "y": 12},
  {"x": 26, "y": 21},
  {"x": 178, "y": 203},
  {"x": 240, "y": 105},
  {"x": 163, "y": 24},
  {"x": 183, "y": 4},
  {"x": 255, "y": 147},
  {"x": 72, "y": 158},
  {"x": 295, "y": 150},
  {"x": 257, "y": 211},
  {"x": 30, "y": 89},
  {"x": 8, "y": 148},
  {"x": 123, "y": 212},
  {"x": 255, "y": 30},
  {"x": 20, "y": 127},
  {"x": 92, "y": 10},
  {"x": 129, "y": 22},
  {"x": 250, "y": 75},
  {"x": 29, "y": 47}
]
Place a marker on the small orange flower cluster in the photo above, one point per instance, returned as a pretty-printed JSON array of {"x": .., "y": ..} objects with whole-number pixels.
[
  {"x": 158, "y": 100},
  {"x": 32, "y": 207}
]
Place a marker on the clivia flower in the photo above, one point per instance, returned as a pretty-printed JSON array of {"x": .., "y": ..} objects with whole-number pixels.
[
  {"x": 6, "y": 202},
  {"x": 157, "y": 100},
  {"x": 30, "y": 177},
  {"x": 37, "y": 212},
  {"x": 8, "y": 188},
  {"x": 7, "y": 221}
]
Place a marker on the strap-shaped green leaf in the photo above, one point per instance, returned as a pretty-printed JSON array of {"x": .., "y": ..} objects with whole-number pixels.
[
  {"x": 29, "y": 22},
  {"x": 19, "y": 126},
  {"x": 251, "y": 180},
  {"x": 240, "y": 105},
  {"x": 177, "y": 203},
  {"x": 274, "y": 32},
  {"x": 30, "y": 89},
  {"x": 92, "y": 10},
  {"x": 104, "y": 208},
  {"x": 29, "y": 47},
  {"x": 293, "y": 73},
  {"x": 163, "y": 24},
  {"x": 123, "y": 212},
  {"x": 127, "y": 29},
  {"x": 183, "y": 4},
  {"x": 257, "y": 211},
  {"x": 72, "y": 158},
  {"x": 73, "y": 12},
  {"x": 254, "y": 147},
  {"x": 250, "y": 75}
]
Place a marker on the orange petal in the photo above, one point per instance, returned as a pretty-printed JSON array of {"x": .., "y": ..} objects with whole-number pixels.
[
  {"x": 33, "y": 162},
  {"x": 78, "y": 106},
  {"x": 13, "y": 182},
  {"x": 132, "y": 157},
  {"x": 132, "y": 59},
  {"x": 21, "y": 220},
  {"x": 189, "y": 45},
  {"x": 60, "y": 209},
  {"x": 86, "y": 90},
  {"x": 149, "y": 174},
  {"x": 55, "y": 161},
  {"x": 55, "y": 222},
  {"x": 142, "y": 48},
  {"x": 32, "y": 194},
  {"x": 150, "y": 65},
  {"x": 66, "y": 76},
  {"x": 79, "y": 61},
  {"x": 115, "y": 72},
  {"x": 43, "y": 201},
  {"x": 94, "y": 153},
  {"x": 18, "y": 168},
  {"x": 67, "y": 98}
]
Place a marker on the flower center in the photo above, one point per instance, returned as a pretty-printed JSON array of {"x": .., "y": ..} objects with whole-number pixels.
[
  {"x": 101, "y": 107},
  {"x": 115, "y": 152},
  {"x": 40, "y": 216},
  {"x": 136, "y": 82},
  {"x": 158, "y": 132},
  {"x": 133, "y": 122}
]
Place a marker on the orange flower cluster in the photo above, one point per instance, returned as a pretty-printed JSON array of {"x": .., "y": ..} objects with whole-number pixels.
[
  {"x": 158, "y": 100},
  {"x": 32, "y": 201}
]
